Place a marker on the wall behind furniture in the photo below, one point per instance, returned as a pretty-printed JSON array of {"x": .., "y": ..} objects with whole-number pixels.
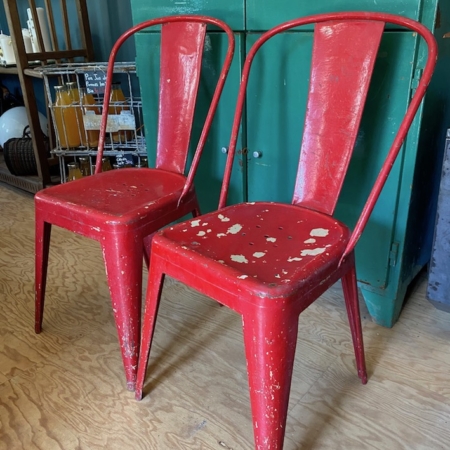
[{"x": 109, "y": 19}]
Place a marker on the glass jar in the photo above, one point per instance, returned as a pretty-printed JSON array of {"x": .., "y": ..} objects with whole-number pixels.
[
  {"x": 88, "y": 105},
  {"x": 143, "y": 161},
  {"x": 59, "y": 118},
  {"x": 74, "y": 93},
  {"x": 66, "y": 119},
  {"x": 106, "y": 164},
  {"x": 85, "y": 167},
  {"x": 74, "y": 172}
]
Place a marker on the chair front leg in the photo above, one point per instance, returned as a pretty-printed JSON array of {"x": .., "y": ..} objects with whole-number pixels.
[
  {"x": 123, "y": 256},
  {"x": 42, "y": 247},
  {"x": 270, "y": 338}
]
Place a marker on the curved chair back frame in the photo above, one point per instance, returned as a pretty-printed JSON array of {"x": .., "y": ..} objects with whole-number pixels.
[{"x": 315, "y": 184}]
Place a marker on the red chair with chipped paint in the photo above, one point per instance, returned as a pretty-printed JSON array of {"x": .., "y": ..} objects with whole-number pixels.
[
  {"x": 270, "y": 261},
  {"x": 122, "y": 208}
]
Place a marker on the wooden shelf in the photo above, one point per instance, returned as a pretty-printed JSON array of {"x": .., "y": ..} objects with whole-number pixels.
[
  {"x": 9, "y": 70},
  {"x": 28, "y": 183},
  {"x": 31, "y": 183},
  {"x": 24, "y": 69},
  {"x": 33, "y": 73}
]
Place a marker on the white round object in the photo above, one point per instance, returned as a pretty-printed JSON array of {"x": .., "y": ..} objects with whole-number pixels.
[{"x": 14, "y": 121}]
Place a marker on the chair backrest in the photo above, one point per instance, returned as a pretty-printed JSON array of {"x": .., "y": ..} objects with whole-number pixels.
[
  {"x": 344, "y": 51},
  {"x": 182, "y": 42}
]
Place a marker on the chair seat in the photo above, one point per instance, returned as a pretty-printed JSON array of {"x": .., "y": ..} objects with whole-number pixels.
[
  {"x": 269, "y": 254},
  {"x": 126, "y": 195}
]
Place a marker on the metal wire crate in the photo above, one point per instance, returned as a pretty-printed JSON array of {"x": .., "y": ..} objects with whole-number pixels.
[{"x": 125, "y": 140}]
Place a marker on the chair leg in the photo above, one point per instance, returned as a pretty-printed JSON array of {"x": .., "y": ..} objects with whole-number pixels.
[
  {"x": 352, "y": 303},
  {"x": 270, "y": 339},
  {"x": 196, "y": 211},
  {"x": 42, "y": 246},
  {"x": 147, "y": 248},
  {"x": 154, "y": 289},
  {"x": 123, "y": 256}
]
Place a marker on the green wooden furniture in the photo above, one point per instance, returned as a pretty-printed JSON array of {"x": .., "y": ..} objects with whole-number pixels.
[{"x": 397, "y": 241}]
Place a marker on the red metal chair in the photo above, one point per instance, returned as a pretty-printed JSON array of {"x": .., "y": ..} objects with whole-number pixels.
[
  {"x": 121, "y": 208},
  {"x": 270, "y": 261}
]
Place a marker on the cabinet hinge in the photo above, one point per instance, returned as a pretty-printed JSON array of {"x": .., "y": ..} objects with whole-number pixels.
[{"x": 393, "y": 253}]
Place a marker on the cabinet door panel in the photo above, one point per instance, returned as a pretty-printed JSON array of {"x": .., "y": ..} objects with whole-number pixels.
[
  {"x": 275, "y": 112},
  {"x": 230, "y": 11},
  {"x": 267, "y": 14},
  {"x": 209, "y": 176}
]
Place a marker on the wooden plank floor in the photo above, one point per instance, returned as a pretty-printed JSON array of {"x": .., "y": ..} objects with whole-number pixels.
[{"x": 65, "y": 389}]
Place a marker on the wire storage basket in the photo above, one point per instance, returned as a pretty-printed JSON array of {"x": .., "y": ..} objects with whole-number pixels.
[{"x": 75, "y": 93}]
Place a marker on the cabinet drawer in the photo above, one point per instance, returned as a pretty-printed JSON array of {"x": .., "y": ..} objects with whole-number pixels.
[
  {"x": 231, "y": 11},
  {"x": 266, "y": 14}
]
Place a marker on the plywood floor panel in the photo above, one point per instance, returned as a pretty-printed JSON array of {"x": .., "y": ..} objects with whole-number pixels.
[
  {"x": 65, "y": 388},
  {"x": 339, "y": 413},
  {"x": 27, "y": 425}
]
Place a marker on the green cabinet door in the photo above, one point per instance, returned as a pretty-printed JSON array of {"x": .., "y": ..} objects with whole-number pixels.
[
  {"x": 230, "y": 11},
  {"x": 210, "y": 172},
  {"x": 275, "y": 116}
]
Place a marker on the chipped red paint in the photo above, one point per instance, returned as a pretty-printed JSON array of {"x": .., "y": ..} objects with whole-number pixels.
[
  {"x": 270, "y": 261},
  {"x": 257, "y": 237},
  {"x": 122, "y": 208},
  {"x": 334, "y": 100}
]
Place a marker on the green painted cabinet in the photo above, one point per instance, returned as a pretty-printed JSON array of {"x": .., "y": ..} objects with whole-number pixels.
[
  {"x": 264, "y": 14},
  {"x": 396, "y": 243}
]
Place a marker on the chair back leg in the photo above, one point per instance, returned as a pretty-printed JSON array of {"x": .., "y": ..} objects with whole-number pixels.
[
  {"x": 155, "y": 285},
  {"x": 352, "y": 303}
]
